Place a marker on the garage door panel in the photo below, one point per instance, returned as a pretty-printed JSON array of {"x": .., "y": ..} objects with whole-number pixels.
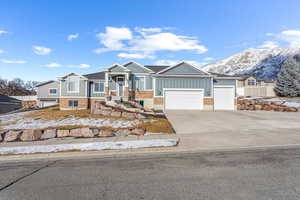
[
  {"x": 184, "y": 99},
  {"x": 224, "y": 98}
]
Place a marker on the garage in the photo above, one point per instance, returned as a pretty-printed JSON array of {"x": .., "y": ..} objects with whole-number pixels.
[
  {"x": 184, "y": 99},
  {"x": 224, "y": 97}
]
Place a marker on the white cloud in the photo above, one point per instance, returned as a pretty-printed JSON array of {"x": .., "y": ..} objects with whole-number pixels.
[
  {"x": 2, "y": 32},
  {"x": 113, "y": 38},
  {"x": 173, "y": 62},
  {"x": 53, "y": 65},
  {"x": 40, "y": 50},
  {"x": 73, "y": 36},
  {"x": 167, "y": 42},
  {"x": 146, "y": 41},
  {"x": 135, "y": 56},
  {"x": 79, "y": 66},
  {"x": 13, "y": 61},
  {"x": 83, "y": 66},
  {"x": 2, "y": 51},
  {"x": 291, "y": 36},
  {"x": 269, "y": 34},
  {"x": 269, "y": 45}
]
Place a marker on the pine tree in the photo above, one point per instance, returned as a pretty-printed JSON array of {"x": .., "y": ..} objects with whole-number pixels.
[{"x": 288, "y": 79}]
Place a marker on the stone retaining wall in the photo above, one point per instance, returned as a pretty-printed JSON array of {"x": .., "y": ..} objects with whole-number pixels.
[
  {"x": 264, "y": 104},
  {"x": 34, "y": 135}
]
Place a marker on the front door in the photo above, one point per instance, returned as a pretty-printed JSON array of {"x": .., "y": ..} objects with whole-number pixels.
[{"x": 120, "y": 86}]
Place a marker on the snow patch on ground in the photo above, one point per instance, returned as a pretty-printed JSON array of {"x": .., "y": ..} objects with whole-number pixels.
[
  {"x": 292, "y": 104},
  {"x": 89, "y": 146},
  {"x": 17, "y": 121}
]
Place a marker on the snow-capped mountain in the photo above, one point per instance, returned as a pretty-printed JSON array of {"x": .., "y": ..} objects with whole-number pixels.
[{"x": 262, "y": 63}]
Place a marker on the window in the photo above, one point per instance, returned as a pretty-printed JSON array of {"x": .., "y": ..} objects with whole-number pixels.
[
  {"x": 73, "y": 103},
  {"x": 139, "y": 83},
  {"x": 251, "y": 82},
  {"x": 99, "y": 87},
  {"x": 73, "y": 85},
  {"x": 53, "y": 91}
]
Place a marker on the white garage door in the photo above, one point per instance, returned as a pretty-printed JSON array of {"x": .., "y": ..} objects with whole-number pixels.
[
  {"x": 224, "y": 98},
  {"x": 184, "y": 99}
]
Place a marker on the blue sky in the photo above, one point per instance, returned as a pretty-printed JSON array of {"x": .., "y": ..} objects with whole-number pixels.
[{"x": 41, "y": 40}]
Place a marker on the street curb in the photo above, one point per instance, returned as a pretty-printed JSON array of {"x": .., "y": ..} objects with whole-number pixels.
[{"x": 91, "y": 146}]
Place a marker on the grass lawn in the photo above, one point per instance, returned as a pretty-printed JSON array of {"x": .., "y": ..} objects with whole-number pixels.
[{"x": 157, "y": 125}]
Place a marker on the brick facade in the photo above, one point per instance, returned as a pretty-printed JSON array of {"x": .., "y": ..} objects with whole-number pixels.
[
  {"x": 83, "y": 103},
  {"x": 208, "y": 101},
  {"x": 142, "y": 94},
  {"x": 158, "y": 101}
]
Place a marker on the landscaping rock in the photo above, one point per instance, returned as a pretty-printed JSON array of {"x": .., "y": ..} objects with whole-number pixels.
[
  {"x": 138, "y": 131},
  {"x": 81, "y": 132},
  {"x": 2, "y": 133},
  {"x": 123, "y": 132},
  {"x": 48, "y": 134},
  {"x": 128, "y": 115},
  {"x": 116, "y": 114},
  {"x": 95, "y": 131},
  {"x": 63, "y": 133},
  {"x": 289, "y": 109},
  {"x": 75, "y": 132},
  {"x": 257, "y": 107},
  {"x": 140, "y": 116},
  {"x": 105, "y": 112},
  {"x": 87, "y": 132},
  {"x": 12, "y": 136},
  {"x": 106, "y": 133},
  {"x": 31, "y": 135}
]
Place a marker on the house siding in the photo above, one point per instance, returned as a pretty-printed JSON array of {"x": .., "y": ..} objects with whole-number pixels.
[
  {"x": 183, "y": 69},
  {"x": 82, "y": 89},
  {"x": 224, "y": 82},
  {"x": 117, "y": 69},
  {"x": 180, "y": 82},
  {"x": 148, "y": 80},
  {"x": 136, "y": 68},
  {"x": 43, "y": 91},
  {"x": 91, "y": 89}
]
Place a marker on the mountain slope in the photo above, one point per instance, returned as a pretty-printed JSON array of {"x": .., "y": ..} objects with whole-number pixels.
[{"x": 261, "y": 63}]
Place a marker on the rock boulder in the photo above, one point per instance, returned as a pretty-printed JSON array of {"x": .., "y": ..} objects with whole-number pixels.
[
  {"x": 106, "y": 133},
  {"x": 31, "y": 135},
  {"x": 12, "y": 136},
  {"x": 48, "y": 134},
  {"x": 63, "y": 133},
  {"x": 138, "y": 131}
]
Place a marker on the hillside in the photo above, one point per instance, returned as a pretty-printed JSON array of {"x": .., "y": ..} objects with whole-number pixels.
[{"x": 261, "y": 63}]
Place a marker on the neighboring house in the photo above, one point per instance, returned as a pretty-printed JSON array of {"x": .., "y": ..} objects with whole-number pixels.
[
  {"x": 8, "y": 104},
  {"x": 252, "y": 86},
  {"x": 48, "y": 93},
  {"x": 180, "y": 86}
]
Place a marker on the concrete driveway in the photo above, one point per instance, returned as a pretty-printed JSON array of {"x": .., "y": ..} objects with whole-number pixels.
[{"x": 186, "y": 122}]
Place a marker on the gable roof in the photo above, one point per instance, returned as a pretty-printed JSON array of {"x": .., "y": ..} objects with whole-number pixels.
[
  {"x": 201, "y": 72},
  {"x": 97, "y": 75},
  {"x": 7, "y": 99},
  {"x": 139, "y": 65},
  {"x": 72, "y": 73},
  {"x": 45, "y": 83},
  {"x": 116, "y": 65},
  {"x": 156, "y": 68}
]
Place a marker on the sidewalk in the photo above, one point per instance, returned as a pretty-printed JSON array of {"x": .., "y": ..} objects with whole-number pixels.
[{"x": 228, "y": 141}]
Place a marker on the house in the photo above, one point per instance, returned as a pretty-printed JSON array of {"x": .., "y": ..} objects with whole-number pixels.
[
  {"x": 250, "y": 81},
  {"x": 180, "y": 86},
  {"x": 252, "y": 86},
  {"x": 48, "y": 93},
  {"x": 8, "y": 104}
]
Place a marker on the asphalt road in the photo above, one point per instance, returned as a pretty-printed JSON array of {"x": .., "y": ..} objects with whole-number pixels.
[{"x": 257, "y": 175}]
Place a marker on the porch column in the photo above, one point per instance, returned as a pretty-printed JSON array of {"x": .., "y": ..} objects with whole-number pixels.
[
  {"x": 126, "y": 86},
  {"x": 106, "y": 89}
]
